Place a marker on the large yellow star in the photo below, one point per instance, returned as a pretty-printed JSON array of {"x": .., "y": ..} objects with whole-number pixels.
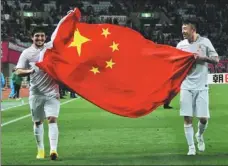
[
  {"x": 110, "y": 64},
  {"x": 105, "y": 32},
  {"x": 114, "y": 46},
  {"x": 78, "y": 41},
  {"x": 95, "y": 70}
]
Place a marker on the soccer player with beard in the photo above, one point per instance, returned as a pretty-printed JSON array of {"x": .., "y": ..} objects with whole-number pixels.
[
  {"x": 194, "y": 99},
  {"x": 43, "y": 94}
]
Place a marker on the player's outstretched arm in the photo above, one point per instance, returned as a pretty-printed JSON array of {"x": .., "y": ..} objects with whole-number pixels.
[{"x": 24, "y": 72}]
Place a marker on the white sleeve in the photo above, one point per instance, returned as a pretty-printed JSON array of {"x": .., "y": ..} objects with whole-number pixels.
[
  {"x": 210, "y": 49},
  {"x": 23, "y": 62},
  {"x": 49, "y": 44},
  {"x": 178, "y": 46}
]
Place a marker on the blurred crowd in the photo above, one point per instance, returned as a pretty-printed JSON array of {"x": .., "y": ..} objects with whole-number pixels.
[{"x": 19, "y": 17}]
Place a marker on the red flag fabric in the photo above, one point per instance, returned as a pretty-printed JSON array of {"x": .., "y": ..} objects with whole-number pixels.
[{"x": 115, "y": 67}]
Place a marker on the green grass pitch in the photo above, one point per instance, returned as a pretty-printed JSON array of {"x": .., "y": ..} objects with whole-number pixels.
[{"x": 91, "y": 136}]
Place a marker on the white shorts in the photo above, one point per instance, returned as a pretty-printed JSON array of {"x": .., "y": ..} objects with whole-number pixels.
[
  {"x": 43, "y": 106},
  {"x": 194, "y": 103}
]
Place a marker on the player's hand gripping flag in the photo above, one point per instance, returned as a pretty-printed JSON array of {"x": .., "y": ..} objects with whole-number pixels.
[{"x": 114, "y": 67}]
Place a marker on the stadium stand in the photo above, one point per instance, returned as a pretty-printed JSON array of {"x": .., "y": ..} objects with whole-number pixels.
[{"x": 159, "y": 21}]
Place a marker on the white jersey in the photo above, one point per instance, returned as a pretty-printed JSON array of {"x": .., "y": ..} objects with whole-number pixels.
[
  {"x": 40, "y": 82},
  {"x": 197, "y": 79}
]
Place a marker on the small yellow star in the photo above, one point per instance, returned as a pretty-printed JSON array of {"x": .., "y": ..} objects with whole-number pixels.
[
  {"x": 78, "y": 41},
  {"x": 109, "y": 64},
  {"x": 105, "y": 32},
  {"x": 114, "y": 46},
  {"x": 95, "y": 70}
]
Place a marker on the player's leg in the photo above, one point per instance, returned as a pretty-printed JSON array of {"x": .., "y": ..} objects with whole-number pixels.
[
  {"x": 37, "y": 110},
  {"x": 51, "y": 109},
  {"x": 16, "y": 89},
  {"x": 19, "y": 88},
  {"x": 167, "y": 105},
  {"x": 186, "y": 110},
  {"x": 0, "y": 94},
  {"x": 11, "y": 95},
  {"x": 15, "y": 92},
  {"x": 202, "y": 112},
  {"x": 39, "y": 137}
]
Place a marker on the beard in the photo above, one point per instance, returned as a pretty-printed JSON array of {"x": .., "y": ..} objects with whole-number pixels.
[
  {"x": 39, "y": 43},
  {"x": 186, "y": 36}
]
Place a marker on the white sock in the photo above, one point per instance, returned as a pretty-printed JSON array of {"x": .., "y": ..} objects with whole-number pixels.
[
  {"x": 53, "y": 134},
  {"x": 201, "y": 128},
  {"x": 189, "y": 132},
  {"x": 39, "y": 135}
]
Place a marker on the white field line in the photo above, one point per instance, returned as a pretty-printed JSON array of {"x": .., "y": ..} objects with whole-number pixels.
[
  {"x": 14, "y": 107},
  {"x": 23, "y": 117}
]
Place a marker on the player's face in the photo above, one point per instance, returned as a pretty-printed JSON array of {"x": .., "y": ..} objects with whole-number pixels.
[
  {"x": 39, "y": 39},
  {"x": 187, "y": 31}
]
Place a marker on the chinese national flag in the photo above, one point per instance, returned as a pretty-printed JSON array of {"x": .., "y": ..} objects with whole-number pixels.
[{"x": 114, "y": 67}]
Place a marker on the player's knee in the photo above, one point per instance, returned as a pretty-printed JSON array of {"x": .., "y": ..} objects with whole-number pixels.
[
  {"x": 203, "y": 121},
  {"x": 52, "y": 119},
  {"x": 187, "y": 120},
  {"x": 38, "y": 123}
]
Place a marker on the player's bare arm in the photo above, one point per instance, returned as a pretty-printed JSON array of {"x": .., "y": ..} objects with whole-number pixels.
[
  {"x": 24, "y": 72},
  {"x": 213, "y": 59}
]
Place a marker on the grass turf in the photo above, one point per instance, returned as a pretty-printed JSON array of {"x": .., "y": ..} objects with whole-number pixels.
[{"x": 91, "y": 136}]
